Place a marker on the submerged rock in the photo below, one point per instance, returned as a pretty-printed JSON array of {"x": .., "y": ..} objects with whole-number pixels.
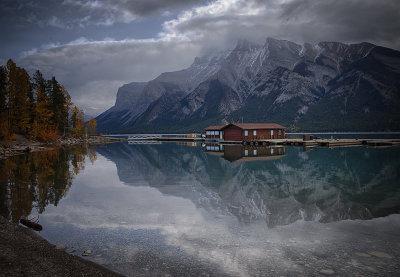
[
  {"x": 327, "y": 272},
  {"x": 87, "y": 253},
  {"x": 61, "y": 247}
]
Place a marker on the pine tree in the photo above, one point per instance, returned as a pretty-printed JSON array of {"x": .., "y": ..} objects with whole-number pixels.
[
  {"x": 60, "y": 104},
  {"x": 42, "y": 126},
  {"x": 4, "y": 128},
  {"x": 18, "y": 87}
]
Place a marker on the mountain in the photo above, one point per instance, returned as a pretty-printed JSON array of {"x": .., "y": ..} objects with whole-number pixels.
[{"x": 328, "y": 86}]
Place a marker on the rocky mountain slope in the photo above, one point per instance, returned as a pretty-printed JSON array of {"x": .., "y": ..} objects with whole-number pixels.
[{"x": 329, "y": 86}]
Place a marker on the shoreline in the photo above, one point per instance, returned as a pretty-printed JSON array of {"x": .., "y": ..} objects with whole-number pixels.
[
  {"x": 23, "y": 146},
  {"x": 25, "y": 253}
]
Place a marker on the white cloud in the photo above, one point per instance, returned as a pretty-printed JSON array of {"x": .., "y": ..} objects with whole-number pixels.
[{"x": 92, "y": 71}]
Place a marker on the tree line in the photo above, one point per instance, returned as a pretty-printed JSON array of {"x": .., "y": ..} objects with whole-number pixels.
[{"x": 37, "y": 108}]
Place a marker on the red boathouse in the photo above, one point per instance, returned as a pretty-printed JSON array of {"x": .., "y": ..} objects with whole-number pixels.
[
  {"x": 214, "y": 132},
  {"x": 246, "y": 131}
]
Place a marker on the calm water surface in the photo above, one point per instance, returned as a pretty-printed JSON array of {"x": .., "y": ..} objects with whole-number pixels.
[{"x": 186, "y": 210}]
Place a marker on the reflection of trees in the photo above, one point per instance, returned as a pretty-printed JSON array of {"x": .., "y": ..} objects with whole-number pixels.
[{"x": 39, "y": 179}]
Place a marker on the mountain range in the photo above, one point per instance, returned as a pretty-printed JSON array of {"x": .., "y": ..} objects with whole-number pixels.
[{"x": 328, "y": 86}]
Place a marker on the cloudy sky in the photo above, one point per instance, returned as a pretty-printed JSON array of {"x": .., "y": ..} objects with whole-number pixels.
[{"x": 95, "y": 46}]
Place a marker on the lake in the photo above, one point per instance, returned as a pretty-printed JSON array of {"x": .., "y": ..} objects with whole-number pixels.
[{"x": 180, "y": 209}]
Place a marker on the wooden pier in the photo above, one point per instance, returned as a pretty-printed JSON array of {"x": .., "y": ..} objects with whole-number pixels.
[{"x": 326, "y": 142}]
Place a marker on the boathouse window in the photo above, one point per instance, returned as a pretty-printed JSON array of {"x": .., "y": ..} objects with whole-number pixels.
[
  {"x": 255, "y": 133},
  {"x": 246, "y": 152},
  {"x": 272, "y": 151},
  {"x": 272, "y": 133},
  {"x": 207, "y": 133},
  {"x": 216, "y": 133},
  {"x": 279, "y": 132},
  {"x": 246, "y": 133},
  {"x": 255, "y": 152}
]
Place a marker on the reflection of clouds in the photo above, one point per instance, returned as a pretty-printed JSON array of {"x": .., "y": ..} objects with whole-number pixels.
[
  {"x": 320, "y": 188},
  {"x": 303, "y": 156},
  {"x": 110, "y": 204},
  {"x": 199, "y": 220}
]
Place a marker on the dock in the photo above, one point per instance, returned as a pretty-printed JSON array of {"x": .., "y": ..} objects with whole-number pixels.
[
  {"x": 321, "y": 142},
  {"x": 326, "y": 142}
]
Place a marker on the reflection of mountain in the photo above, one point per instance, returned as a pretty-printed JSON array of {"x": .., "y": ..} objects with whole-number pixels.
[{"x": 323, "y": 184}]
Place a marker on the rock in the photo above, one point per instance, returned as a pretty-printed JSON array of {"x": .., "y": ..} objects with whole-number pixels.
[
  {"x": 87, "y": 253},
  {"x": 371, "y": 269},
  {"x": 363, "y": 254},
  {"x": 61, "y": 247},
  {"x": 327, "y": 272},
  {"x": 380, "y": 254}
]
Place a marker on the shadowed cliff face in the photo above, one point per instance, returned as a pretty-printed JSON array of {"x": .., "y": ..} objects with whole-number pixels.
[{"x": 320, "y": 185}]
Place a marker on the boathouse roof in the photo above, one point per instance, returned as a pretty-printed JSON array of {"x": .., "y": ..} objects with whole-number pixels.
[
  {"x": 255, "y": 126},
  {"x": 215, "y": 127}
]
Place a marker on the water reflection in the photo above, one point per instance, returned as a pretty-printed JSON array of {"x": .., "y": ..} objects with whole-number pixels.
[
  {"x": 32, "y": 182},
  {"x": 153, "y": 210},
  {"x": 239, "y": 153},
  {"x": 279, "y": 186},
  {"x": 273, "y": 184}
]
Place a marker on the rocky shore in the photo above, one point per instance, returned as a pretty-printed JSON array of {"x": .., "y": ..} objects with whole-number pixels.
[
  {"x": 24, "y": 253},
  {"x": 21, "y": 145}
]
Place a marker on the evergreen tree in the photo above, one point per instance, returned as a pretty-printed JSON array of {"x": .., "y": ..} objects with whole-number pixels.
[
  {"x": 60, "y": 104},
  {"x": 39, "y": 109},
  {"x": 18, "y": 87},
  {"x": 4, "y": 128}
]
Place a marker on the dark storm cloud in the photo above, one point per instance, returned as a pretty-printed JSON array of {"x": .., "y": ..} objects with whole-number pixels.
[
  {"x": 353, "y": 20},
  {"x": 81, "y": 13},
  {"x": 93, "y": 69},
  {"x": 137, "y": 7}
]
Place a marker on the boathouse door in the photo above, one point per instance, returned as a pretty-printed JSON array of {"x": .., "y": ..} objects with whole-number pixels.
[
  {"x": 233, "y": 133},
  {"x": 272, "y": 133},
  {"x": 220, "y": 134}
]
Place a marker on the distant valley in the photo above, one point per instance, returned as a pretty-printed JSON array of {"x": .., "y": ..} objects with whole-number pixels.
[{"x": 329, "y": 86}]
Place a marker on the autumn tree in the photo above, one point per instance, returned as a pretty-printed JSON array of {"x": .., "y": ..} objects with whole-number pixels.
[
  {"x": 77, "y": 121},
  {"x": 38, "y": 109},
  {"x": 18, "y": 87},
  {"x": 4, "y": 128},
  {"x": 43, "y": 125},
  {"x": 91, "y": 125}
]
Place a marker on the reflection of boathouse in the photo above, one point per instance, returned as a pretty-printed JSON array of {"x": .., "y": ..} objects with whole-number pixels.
[
  {"x": 239, "y": 153},
  {"x": 246, "y": 132}
]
